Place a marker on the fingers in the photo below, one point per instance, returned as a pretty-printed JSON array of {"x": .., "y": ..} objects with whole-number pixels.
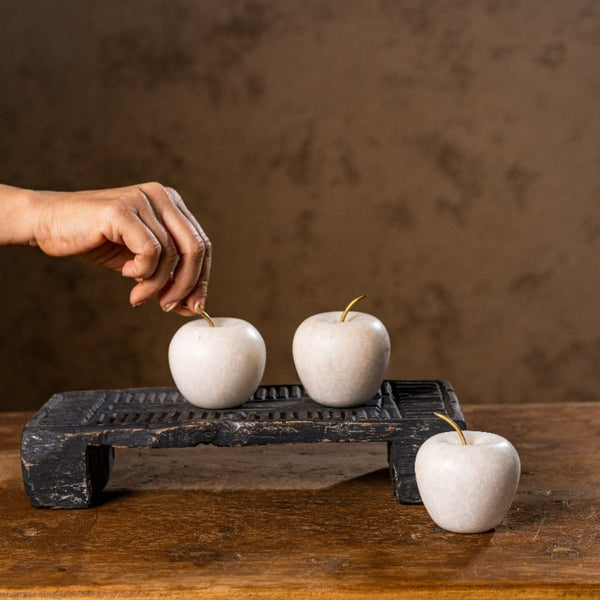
[
  {"x": 154, "y": 254},
  {"x": 173, "y": 261},
  {"x": 190, "y": 282}
]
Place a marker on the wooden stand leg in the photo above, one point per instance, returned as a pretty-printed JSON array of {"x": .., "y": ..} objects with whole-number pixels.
[
  {"x": 66, "y": 473},
  {"x": 401, "y": 457},
  {"x": 99, "y": 466}
]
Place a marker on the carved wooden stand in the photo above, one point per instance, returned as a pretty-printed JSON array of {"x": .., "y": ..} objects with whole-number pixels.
[{"x": 67, "y": 447}]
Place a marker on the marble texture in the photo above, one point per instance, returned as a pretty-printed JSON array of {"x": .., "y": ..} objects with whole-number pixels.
[
  {"x": 467, "y": 488},
  {"x": 217, "y": 366},
  {"x": 441, "y": 157},
  {"x": 341, "y": 364}
]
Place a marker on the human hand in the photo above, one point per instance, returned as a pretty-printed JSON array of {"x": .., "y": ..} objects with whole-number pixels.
[{"x": 144, "y": 231}]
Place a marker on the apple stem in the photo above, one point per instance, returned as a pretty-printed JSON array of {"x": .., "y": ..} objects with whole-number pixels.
[
  {"x": 206, "y": 316},
  {"x": 452, "y": 424},
  {"x": 347, "y": 309}
]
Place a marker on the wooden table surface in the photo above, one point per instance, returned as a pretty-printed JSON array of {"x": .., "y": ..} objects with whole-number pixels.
[{"x": 318, "y": 521}]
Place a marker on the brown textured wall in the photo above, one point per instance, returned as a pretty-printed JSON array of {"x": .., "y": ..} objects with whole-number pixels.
[{"x": 443, "y": 157}]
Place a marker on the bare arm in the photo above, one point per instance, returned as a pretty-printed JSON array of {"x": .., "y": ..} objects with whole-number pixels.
[
  {"x": 17, "y": 216},
  {"x": 144, "y": 231}
]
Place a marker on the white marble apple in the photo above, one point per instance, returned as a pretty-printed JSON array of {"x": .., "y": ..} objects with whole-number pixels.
[
  {"x": 341, "y": 357},
  {"x": 217, "y": 363},
  {"x": 467, "y": 482}
]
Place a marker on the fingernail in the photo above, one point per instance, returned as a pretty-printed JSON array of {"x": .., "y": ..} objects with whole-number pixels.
[
  {"x": 199, "y": 307},
  {"x": 139, "y": 304},
  {"x": 169, "y": 307}
]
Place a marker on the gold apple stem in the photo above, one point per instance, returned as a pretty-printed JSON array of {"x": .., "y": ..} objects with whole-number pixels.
[
  {"x": 206, "y": 316},
  {"x": 347, "y": 309},
  {"x": 452, "y": 424}
]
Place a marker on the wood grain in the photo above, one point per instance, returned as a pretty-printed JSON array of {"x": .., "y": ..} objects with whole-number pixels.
[{"x": 333, "y": 529}]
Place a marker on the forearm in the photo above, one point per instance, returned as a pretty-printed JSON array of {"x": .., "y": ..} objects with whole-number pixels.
[{"x": 18, "y": 216}]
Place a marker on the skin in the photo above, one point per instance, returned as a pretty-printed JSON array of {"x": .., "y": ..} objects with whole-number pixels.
[{"x": 143, "y": 231}]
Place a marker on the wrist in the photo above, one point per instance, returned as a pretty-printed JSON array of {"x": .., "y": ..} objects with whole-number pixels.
[{"x": 19, "y": 213}]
